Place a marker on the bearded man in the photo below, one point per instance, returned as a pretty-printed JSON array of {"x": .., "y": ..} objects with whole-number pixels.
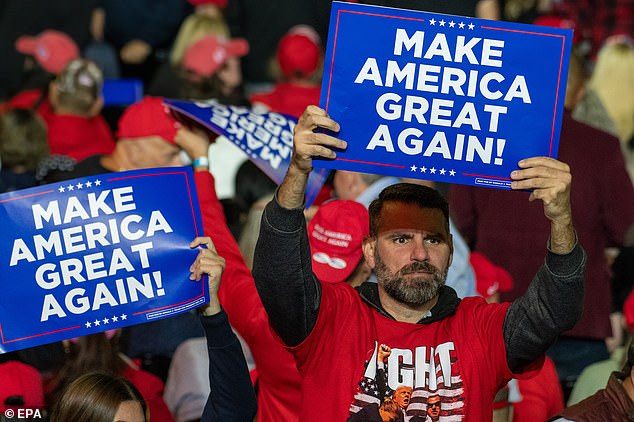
[{"x": 464, "y": 351}]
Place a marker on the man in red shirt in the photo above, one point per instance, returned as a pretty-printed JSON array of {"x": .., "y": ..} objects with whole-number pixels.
[
  {"x": 462, "y": 350},
  {"x": 71, "y": 106},
  {"x": 299, "y": 58},
  {"x": 75, "y": 125}
]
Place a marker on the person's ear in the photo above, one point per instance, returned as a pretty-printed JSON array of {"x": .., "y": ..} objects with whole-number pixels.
[
  {"x": 369, "y": 244},
  {"x": 96, "y": 107}
]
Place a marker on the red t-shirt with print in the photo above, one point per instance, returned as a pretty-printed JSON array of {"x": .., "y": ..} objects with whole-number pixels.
[{"x": 460, "y": 358}]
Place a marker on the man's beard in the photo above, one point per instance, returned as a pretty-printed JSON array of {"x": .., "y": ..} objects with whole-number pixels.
[{"x": 411, "y": 290}]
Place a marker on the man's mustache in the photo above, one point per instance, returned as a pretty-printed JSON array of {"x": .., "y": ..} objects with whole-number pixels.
[{"x": 416, "y": 267}]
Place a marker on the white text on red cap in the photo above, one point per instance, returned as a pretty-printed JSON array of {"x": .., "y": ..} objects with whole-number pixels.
[{"x": 330, "y": 237}]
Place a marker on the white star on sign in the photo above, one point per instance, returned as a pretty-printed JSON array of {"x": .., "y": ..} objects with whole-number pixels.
[
  {"x": 471, "y": 26},
  {"x": 123, "y": 317},
  {"x": 88, "y": 324},
  {"x": 115, "y": 318},
  {"x": 96, "y": 323},
  {"x": 452, "y": 173},
  {"x": 442, "y": 22},
  {"x": 432, "y": 170},
  {"x": 88, "y": 184},
  {"x": 106, "y": 320},
  {"x": 443, "y": 171},
  {"x": 461, "y": 25},
  {"x": 61, "y": 189},
  {"x": 432, "y": 21},
  {"x": 97, "y": 182},
  {"x": 452, "y": 24},
  {"x": 413, "y": 168},
  {"x": 423, "y": 169},
  {"x": 70, "y": 187},
  {"x": 80, "y": 185}
]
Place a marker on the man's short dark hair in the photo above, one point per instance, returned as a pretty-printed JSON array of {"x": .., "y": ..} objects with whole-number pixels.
[{"x": 409, "y": 193}]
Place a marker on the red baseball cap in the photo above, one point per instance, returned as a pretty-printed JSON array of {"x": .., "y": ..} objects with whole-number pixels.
[
  {"x": 208, "y": 54},
  {"x": 298, "y": 51},
  {"x": 490, "y": 278},
  {"x": 52, "y": 49},
  {"x": 148, "y": 117},
  {"x": 23, "y": 382},
  {"x": 336, "y": 235}
]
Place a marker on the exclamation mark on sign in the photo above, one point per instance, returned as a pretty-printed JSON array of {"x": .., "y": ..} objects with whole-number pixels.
[
  {"x": 500, "y": 147},
  {"x": 159, "y": 283}
]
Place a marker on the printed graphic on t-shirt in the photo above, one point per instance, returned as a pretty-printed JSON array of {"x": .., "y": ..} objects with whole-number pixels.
[{"x": 423, "y": 384}]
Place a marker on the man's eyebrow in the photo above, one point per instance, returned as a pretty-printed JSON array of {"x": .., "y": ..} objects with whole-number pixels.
[
  {"x": 436, "y": 234},
  {"x": 403, "y": 232}
]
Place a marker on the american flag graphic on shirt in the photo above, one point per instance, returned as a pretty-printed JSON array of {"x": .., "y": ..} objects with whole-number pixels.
[{"x": 381, "y": 381}]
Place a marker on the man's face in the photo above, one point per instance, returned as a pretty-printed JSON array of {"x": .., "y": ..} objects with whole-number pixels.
[
  {"x": 402, "y": 396},
  {"x": 412, "y": 252},
  {"x": 433, "y": 407}
]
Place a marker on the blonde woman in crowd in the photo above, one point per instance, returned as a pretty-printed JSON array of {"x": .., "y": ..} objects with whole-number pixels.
[
  {"x": 168, "y": 80},
  {"x": 612, "y": 81},
  {"x": 193, "y": 28}
]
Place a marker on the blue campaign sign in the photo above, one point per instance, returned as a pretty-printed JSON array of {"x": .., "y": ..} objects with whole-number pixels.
[
  {"x": 97, "y": 253},
  {"x": 441, "y": 97},
  {"x": 265, "y": 137}
]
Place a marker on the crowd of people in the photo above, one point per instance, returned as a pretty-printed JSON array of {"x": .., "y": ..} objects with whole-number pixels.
[{"x": 387, "y": 300}]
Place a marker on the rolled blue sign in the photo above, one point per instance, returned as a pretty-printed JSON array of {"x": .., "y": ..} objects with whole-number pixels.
[
  {"x": 441, "y": 97},
  {"x": 97, "y": 253},
  {"x": 265, "y": 137}
]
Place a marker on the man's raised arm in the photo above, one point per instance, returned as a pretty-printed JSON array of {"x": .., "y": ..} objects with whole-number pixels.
[
  {"x": 554, "y": 300},
  {"x": 282, "y": 263}
]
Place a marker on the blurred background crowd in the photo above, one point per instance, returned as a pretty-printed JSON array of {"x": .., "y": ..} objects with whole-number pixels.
[{"x": 72, "y": 68}]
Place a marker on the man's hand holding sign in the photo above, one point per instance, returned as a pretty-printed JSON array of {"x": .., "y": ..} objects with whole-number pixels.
[
  {"x": 308, "y": 144},
  {"x": 210, "y": 263},
  {"x": 549, "y": 181}
]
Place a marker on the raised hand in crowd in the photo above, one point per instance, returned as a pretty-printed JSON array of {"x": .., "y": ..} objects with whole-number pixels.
[
  {"x": 232, "y": 397},
  {"x": 549, "y": 180},
  {"x": 209, "y": 263}
]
